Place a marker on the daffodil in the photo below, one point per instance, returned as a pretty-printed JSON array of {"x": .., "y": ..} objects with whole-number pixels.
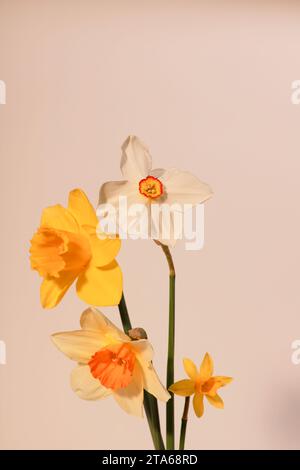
[
  {"x": 146, "y": 186},
  {"x": 201, "y": 383},
  {"x": 66, "y": 247},
  {"x": 110, "y": 363}
]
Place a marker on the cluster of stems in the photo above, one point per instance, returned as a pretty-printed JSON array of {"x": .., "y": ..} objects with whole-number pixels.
[{"x": 150, "y": 402}]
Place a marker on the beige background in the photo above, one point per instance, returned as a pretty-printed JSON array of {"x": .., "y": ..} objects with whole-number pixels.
[{"x": 206, "y": 84}]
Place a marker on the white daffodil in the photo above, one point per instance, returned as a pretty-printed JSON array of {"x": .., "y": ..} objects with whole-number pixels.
[
  {"x": 109, "y": 363},
  {"x": 151, "y": 189}
]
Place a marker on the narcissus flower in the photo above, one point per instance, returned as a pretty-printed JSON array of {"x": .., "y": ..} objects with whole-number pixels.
[
  {"x": 109, "y": 363},
  {"x": 201, "y": 383},
  {"x": 66, "y": 247},
  {"x": 145, "y": 186}
]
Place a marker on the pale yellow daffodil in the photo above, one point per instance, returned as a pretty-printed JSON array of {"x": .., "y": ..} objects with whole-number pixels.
[
  {"x": 201, "y": 383},
  {"x": 66, "y": 247},
  {"x": 110, "y": 363}
]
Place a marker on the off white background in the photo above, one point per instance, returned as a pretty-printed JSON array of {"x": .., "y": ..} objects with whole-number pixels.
[{"x": 206, "y": 84}]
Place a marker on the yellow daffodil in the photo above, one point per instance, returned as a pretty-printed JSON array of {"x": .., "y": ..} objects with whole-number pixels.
[
  {"x": 109, "y": 363},
  {"x": 201, "y": 383},
  {"x": 66, "y": 247}
]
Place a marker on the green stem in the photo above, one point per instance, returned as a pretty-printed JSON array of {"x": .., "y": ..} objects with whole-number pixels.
[
  {"x": 184, "y": 421},
  {"x": 124, "y": 315},
  {"x": 171, "y": 348},
  {"x": 150, "y": 402}
]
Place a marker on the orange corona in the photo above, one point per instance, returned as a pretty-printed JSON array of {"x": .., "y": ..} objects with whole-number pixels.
[
  {"x": 113, "y": 365},
  {"x": 151, "y": 187}
]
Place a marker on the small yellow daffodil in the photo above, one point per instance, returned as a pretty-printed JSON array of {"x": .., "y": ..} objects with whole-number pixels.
[
  {"x": 110, "y": 363},
  {"x": 66, "y": 247},
  {"x": 201, "y": 383}
]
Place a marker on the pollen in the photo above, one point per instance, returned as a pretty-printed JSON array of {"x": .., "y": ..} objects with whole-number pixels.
[
  {"x": 151, "y": 187},
  {"x": 113, "y": 365}
]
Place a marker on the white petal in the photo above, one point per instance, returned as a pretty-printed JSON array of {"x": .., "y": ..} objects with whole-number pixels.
[
  {"x": 125, "y": 216},
  {"x": 86, "y": 386},
  {"x": 131, "y": 398},
  {"x": 164, "y": 226},
  {"x": 110, "y": 192},
  {"x": 136, "y": 160},
  {"x": 93, "y": 320},
  {"x": 79, "y": 345},
  {"x": 182, "y": 187}
]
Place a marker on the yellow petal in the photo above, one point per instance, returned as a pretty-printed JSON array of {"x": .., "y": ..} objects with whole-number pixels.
[
  {"x": 190, "y": 369},
  {"x": 183, "y": 388},
  {"x": 222, "y": 380},
  {"x": 198, "y": 404},
  {"x": 85, "y": 386},
  {"x": 206, "y": 368},
  {"x": 143, "y": 349},
  {"x": 79, "y": 345},
  {"x": 216, "y": 401},
  {"x": 152, "y": 384},
  {"x": 131, "y": 397},
  {"x": 100, "y": 286},
  {"x": 53, "y": 290},
  {"x": 104, "y": 250},
  {"x": 93, "y": 319},
  {"x": 59, "y": 218},
  {"x": 82, "y": 209},
  {"x": 218, "y": 382}
]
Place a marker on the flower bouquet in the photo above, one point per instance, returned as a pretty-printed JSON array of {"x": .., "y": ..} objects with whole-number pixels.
[{"x": 78, "y": 244}]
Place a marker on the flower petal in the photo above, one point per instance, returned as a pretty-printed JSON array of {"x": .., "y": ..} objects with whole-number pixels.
[
  {"x": 198, "y": 404},
  {"x": 183, "y": 388},
  {"x": 206, "y": 368},
  {"x": 52, "y": 290},
  {"x": 120, "y": 207},
  {"x": 144, "y": 354},
  {"x": 163, "y": 222},
  {"x": 143, "y": 349},
  {"x": 100, "y": 286},
  {"x": 183, "y": 188},
  {"x": 111, "y": 191},
  {"x": 223, "y": 380},
  {"x": 82, "y": 209},
  {"x": 59, "y": 218},
  {"x": 216, "y": 401},
  {"x": 218, "y": 382},
  {"x": 104, "y": 251},
  {"x": 93, "y": 320},
  {"x": 86, "y": 386},
  {"x": 131, "y": 397},
  {"x": 152, "y": 383},
  {"x": 79, "y": 345},
  {"x": 136, "y": 160},
  {"x": 190, "y": 369}
]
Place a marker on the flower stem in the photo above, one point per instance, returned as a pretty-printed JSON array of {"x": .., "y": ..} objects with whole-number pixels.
[
  {"x": 171, "y": 348},
  {"x": 150, "y": 402},
  {"x": 184, "y": 421},
  {"x": 124, "y": 315}
]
